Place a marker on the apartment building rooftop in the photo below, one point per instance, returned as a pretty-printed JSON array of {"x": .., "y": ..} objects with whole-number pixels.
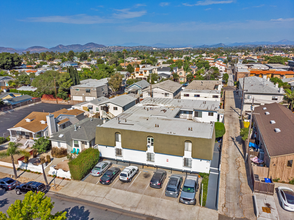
[
  {"x": 92, "y": 83},
  {"x": 204, "y": 85},
  {"x": 256, "y": 84}
]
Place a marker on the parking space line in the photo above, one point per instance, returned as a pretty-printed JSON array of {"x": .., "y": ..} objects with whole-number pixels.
[
  {"x": 117, "y": 178},
  {"x": 145, "y": 188},
  {"x": 134, "y": 179},
  {"x": 213, "y": 173}
]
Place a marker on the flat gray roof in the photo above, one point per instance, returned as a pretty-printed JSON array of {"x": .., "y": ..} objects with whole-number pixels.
[
  {"x": 201, "y": 91},
  {"x": 168, "y": 85},
  {"x": 94, "y": 101},
  {"x": 121, "y": 101},
  {"x": 203, "y": 84},
  {"x": 92, "y": 83}
]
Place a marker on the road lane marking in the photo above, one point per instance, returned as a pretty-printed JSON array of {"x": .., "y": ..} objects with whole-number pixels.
[
  {"x": 214, "y": 173},
  {"x": 134, "y": 179}
]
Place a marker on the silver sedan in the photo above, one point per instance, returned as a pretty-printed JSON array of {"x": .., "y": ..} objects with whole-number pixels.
[
  {"x": 100, "y": 168},
  {"x": 286, "y": 196}
]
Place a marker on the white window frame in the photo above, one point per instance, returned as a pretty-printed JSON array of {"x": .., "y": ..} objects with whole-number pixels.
[
  {"x": 150, "y": 157},
  {"x": 150, "y": 141},
  {"x": 117, "y": 137}
]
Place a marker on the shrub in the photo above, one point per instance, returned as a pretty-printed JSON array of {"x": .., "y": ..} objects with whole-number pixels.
[
  {"x": 48, "y": 159},
  {"x": 8, "y": 138},
  {"x": 42, "y": 144},
  {"x": 244, "y": 133},
  {"x": 2, "y": 140},
  {"x": 291, "y": 181},
  {"x": 276, "y": 180},
  {"x": 81, "y": 166},
  {"x": 220, "y": 129},
  {"x": 58, "y": 152}
]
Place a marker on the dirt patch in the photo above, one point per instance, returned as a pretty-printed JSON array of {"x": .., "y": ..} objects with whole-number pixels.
[{"x": 146, "y": 175}]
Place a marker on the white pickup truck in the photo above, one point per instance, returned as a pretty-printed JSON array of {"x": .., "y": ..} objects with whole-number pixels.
[{"x": 128, "y": 173}]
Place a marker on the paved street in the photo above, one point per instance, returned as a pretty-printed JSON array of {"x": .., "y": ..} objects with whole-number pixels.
[
  {"x": 235, "y": 199},
  {"x": 9, "y": 119},
  {"x": 77, "y": 208}
]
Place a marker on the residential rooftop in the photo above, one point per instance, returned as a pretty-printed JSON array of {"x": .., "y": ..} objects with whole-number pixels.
[
  {"x": 168, "y": 85},
  {"x": 92, "y": 83},
  {"x": 121, "y": 100},
  {"x": 204, "y": 85},
  {"x": 277, "y": 143}
]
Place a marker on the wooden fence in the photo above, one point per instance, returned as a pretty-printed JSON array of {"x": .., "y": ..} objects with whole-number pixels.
[{"x": 259, "y": 173}]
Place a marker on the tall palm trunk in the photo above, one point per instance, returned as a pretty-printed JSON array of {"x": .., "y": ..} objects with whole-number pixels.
[
  {"x": 13, "y": 165},
  {"x": 44, "y": 175}
]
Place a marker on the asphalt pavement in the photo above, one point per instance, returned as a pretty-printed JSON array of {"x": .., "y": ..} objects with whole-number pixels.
[
  {"x": 77, "y": 209},
  {"x": 11, "y": 118}
]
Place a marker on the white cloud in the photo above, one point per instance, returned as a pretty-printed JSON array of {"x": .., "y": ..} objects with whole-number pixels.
[
  {"x": 282, "y": 19},
  {"x": 208, "y": 2},
  {"x": 74, "y": 19},
  {"x": 163, "y": 4},
  {"x": 126, "y": 13}
]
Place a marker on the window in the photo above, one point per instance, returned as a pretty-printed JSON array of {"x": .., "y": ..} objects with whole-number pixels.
[
  {"x": 115, "y": 108},
  {"x": 88, "y": 90},
  {"x": 150, "y": 141},
  {"x": 186, "y": 95},
  {"x": 187, "y": 162},
  {"x": 118, "y": 152},
  {"x": 215, "y": 96},
  {"x": 188, "y": 146},
  {"x": 97, "y": 109},
  {"x": 76, "y": 144},
  {"x": 198, "y": 114},
  {"x": 196, "y": 95},
  {"x": 58, "y": 144},
  {"x": 77, "y": 89},
  {"x": 249, "y": 97},
  {"x": 289, "y": 163},
  {"x": 210, "y": 113},
  {"x": 274, "y": 98},
  {"x": 166, "y": 94},
  {"x": 117, "y": 137},
  {"x": 150, "y": 157}
]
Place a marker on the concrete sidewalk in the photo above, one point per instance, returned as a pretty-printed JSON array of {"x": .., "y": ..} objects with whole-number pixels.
[{"x": 135, "y": 202}]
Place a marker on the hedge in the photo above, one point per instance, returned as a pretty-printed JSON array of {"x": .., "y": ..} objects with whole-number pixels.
[
  {"x": 22, "y": 92},
  {"x": 85, "y": 161},
  {"x": 220, "y": 129}
]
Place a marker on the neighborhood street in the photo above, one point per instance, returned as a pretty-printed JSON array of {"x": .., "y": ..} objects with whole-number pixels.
[{"x": 235, "y": 198}]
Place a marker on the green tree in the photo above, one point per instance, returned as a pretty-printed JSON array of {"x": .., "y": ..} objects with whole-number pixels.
[
  {"x": 244, "y": 133},
  {"x": 226, "y": 78},
  {"x": 154, "y": 77},
  {"x": 8, "y": 60},
  {"x": 220, "y": 129},
  {"x": 42, "y": 56},
  {"x": 42, "y": 144},
  {"x": 115, "y": 81},
  {"x": 190, "y": 77},
  {"x": 74, "y": 75},
  {"x": 112, "y": 61},
  {"x": 125, "y": 52},
  {"x": 119, "y": 68},
  {"x": 176, "y": 77},
  {"x": 11, "y": 151},
  {"x": 131, "y": 81},
  {"x": 70, "y": 55},
  {"x": 83, "y": 56},
  {"x": 33, "y": 206},
  {"x": 130, "y": 68},
  {"x": 100, "y": 61},
  {"x": 22, "y": 79},
  {"x": 289, "y": 95}
]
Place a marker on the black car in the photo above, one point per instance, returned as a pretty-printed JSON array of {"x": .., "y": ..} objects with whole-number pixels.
[
  {"x": 8, "y": 183},
  {"x": 31, "y": 186},
  {"x": 158, "y": 179},
  {"x": 109, "y": 175}
]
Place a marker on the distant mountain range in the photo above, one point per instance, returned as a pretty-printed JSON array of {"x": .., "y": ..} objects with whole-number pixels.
[{"x": 134, "y": 46}]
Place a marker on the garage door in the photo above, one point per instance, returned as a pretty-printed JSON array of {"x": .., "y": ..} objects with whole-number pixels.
[
  {"x": 77, "y": 98},
  {"x": 89, "y": 98}
]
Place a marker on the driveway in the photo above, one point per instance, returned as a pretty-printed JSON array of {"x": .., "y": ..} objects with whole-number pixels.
[
  {"x": 11, "y": 118},
  {"x": 283, "y": 214}
]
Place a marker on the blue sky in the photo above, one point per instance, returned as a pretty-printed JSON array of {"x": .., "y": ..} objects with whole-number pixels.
[{"x": 183, "y": 22}]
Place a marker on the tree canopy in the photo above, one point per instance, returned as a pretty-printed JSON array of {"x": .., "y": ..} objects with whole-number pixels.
[
  {"x": 33, "y": 206},
  {"x": 220, "y": 129},
  {"x": 115, "y": 81},
  {"x": 8, "y": 60}
]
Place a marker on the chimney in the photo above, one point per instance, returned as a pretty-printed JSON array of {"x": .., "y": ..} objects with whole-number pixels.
[
  {"x": 277, "y": 85},
  {"x": 75, "y": 128},
  {"x": 51, "y": 124},
  {"x": 281, "y": 90}
]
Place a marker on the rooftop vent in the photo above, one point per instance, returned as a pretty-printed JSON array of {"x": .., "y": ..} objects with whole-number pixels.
[
  {"x": 264, "y": 108},
  {"x": 43, "y": 122},
  {"x": 277, "y": 130},
  {"x": 267, "y": 113},
  {"x": 28, "y": 120},
  {"x": 272, "y": 121},
  {"x": 156, "y": 125},
  {"x": 60, "y": 136}
]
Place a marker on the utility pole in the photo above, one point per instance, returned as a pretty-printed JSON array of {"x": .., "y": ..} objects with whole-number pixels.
[
  {"x": 55, "y": 91},
  {"x": 249, "y": 131},
  {"x": 150, "y": 75},
  {"x": 243, "y": 90}
]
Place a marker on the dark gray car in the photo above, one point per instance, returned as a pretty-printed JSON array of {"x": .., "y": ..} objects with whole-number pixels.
[
  {"x": 173, "y": 186},
  {"x": 189, "y": 190},
  {"x": 158, "y": 179}
]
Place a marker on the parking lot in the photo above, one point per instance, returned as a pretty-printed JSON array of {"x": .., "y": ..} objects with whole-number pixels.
[
  {"x": 283, "y": 214},
  {"x": 140, "y": 182}
]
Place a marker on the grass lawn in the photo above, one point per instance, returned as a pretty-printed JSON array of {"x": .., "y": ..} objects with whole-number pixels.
[{"x": 205, "y": 178}]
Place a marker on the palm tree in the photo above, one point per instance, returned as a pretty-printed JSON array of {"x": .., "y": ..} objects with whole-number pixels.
[
  {"x": 290, "y": 98},
  {"x": 124, "y": 52},
  {"x": 12, "y": 150},
  {"x": 42, "y": 160}
]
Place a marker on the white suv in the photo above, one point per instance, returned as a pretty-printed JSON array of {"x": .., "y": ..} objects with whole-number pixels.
[{"x": 128, "y": 173}]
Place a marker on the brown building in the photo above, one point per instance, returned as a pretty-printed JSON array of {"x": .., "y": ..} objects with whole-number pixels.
[
  {"x": 274, "y": 126},
  {"x": 272, "y": 73}
]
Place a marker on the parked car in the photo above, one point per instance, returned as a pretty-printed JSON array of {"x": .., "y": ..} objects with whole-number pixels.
[
  {"x": 128, "y": 173},
  {"x": 189, "y": 190},
  {"x": 100, "y": 168},
  {"x": 286, "y": 196},
  {"x": 109, "y": 175},
  {"x": 173, "y": 186},
  {"x": 8, "y": 183},
  {"x": 158, "y": 179},
  {"x": 31, "y": 186}
]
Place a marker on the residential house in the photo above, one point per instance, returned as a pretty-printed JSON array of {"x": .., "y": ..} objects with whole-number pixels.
[
  {"x": 261, "y": 90},
  {"x": 165, "y": 89},
  {"x": 89, "y": 89},
  {"x": 137, "y": 88},
  {"x": 4, "y": 80},
  {"x": 152, "y": 136},
  {"x": 9, "y": 95},
  {"x": 77, "y": 137},
  {"x": 27, "y": 88},
  {"x": 206, "y": 90},
  {"x": 182, "y": 75},
  {"x": 274, "y": 126},
  {"x": 277, "y": 66},
  {"x": 69, "y": 64},
  {"x": 272, "y": 73},
  {"x": 43, "y": 124},
  {"x": 290, "y": 81},
  {"x": 90, "y": 107},
  {"x": 209, "y": 59},
  {"x": 85, "y": 66},
  {"x": 17, "y": 100},
  {"x": 164, "y": 72},
  {"x": 143, "y": 71},
  {"x": 243, "y": 70}
]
